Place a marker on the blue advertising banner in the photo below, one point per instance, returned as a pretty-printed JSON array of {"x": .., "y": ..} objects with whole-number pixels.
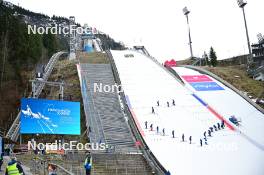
[
  {"x": 206, "y": 86},
  {"x": 39, "y": 116}
]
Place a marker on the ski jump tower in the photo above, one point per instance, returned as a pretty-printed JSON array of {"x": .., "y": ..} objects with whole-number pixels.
[{"x": 72, "y": 54}]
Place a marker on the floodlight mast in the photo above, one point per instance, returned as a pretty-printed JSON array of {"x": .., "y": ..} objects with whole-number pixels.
[
  {"x": 242, "y": 4},
  {"x": 186, "y": 12}
]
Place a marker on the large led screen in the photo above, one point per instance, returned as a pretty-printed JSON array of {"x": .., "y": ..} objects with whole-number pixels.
[{"x": 39, "y": 116}]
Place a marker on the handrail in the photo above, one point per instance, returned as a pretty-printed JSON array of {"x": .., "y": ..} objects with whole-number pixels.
[
  {"x": 152, "y": 160},
  {"x": 54, "y": 164},
  {"x": 62, "y": 168},
  {"x": 226, "y": 84}
]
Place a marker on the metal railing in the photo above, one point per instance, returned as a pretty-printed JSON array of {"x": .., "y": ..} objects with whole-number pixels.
[
  {"x": 13, "y": 131},
  {"x": 41, "y": 166}
]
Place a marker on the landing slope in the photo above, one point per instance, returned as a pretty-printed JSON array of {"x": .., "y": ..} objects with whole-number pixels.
[{"x": 228, "y": 151}]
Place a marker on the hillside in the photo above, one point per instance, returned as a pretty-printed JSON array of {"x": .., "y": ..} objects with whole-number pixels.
[
  {"x": 237, "y": 76},
  {"x": 19, "y": 55},
  {"x": 233, "y": 70},
  {"x": 64, "y": 70}
]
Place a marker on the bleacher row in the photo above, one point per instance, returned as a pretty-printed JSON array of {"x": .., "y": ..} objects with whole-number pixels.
[{"x": 104, "y": 115}]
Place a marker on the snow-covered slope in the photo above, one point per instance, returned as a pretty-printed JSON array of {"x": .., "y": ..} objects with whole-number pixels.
[
  {"x": 228, "y": 103},
  {"x": 228, "y": 151}
]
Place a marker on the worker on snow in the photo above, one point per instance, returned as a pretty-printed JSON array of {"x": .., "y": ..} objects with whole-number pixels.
[
  {"x": 173, "y": 102},
  {"x": 146, "y": 125},
  {"x": 153, "y": 111},
  {"x": 205, "y": 141},
  {"x": 183, "y": 137},
  {"x": 222, "y": 124},
  {"x": 204, "y": 134},
  {"x": 215, "y": 128},
  {"x": 209, "y": 133},
  {"x": 218, "y": 126},
  {"x": 190, "y": 139},
  {"x": 172, "y": 134}
]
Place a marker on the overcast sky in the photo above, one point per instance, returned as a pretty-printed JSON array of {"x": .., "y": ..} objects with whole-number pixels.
[{"x": 160, "y": 24}]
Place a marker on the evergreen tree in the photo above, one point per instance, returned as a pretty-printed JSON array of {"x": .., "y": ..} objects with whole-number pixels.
[
  {"x": 213, "y": 57},
  {"x": 50, "y": 43},
  {"x": 206, "y": 58}
]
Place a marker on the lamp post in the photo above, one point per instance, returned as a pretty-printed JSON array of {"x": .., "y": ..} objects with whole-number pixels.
[
  {"x": 186, "y": 12},
  {"x": 242, "y": 4}
]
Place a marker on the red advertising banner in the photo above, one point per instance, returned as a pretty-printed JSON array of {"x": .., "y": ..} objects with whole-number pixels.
[
  {"x": 196, "y": 78},
  {"x": 171, "y": 63}
]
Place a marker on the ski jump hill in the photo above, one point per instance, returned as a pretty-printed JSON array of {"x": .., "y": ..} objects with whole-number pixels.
[{"x": 191, "y": 102}]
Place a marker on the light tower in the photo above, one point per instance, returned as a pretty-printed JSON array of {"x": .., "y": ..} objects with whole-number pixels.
[
  {"x": 72, "y": 55},
  {"x": 186, "y": 12},
  {"x": 241, "y": 4}
]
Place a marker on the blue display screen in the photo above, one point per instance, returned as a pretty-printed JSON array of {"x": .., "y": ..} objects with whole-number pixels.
[{"x": 40, "y": 116}]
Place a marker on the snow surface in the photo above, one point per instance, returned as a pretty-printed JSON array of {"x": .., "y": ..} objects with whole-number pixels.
[
  {"x": 228, "y": 152},
  {"x": 229, "y": 103}
]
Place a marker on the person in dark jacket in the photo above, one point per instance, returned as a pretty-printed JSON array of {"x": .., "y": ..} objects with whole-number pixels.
[
  {"x": 183, "y": 137},
  {"x": 157, "y": 129},
  {"x": 204, "y": 134},
  {"x": 209, "y": 133},
  {"x": 215, "y": 128},
  {"x": 151, "y": 127},
  {"x": 173, "y": 102},
  {"x": 222, "y": 124},
  {"x": 218, "y": 126},
  {"x": 158, "y": 103},
  {"x": 163, "y": 131},
  {"x": 14, "y": 168},
  {"x": 201, "y": 142},
  {"x": 152, "y": 110},
  {"x": 146, "y": 125},
  {"x": 173, "y": 134},
  {"x": 190, "y": 139},
  {"x": 168, "y": 104},
  {"x": 205, "y": 141}
]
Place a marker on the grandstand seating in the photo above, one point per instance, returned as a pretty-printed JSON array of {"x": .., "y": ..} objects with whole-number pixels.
[{"x": 103, "y": 110}]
